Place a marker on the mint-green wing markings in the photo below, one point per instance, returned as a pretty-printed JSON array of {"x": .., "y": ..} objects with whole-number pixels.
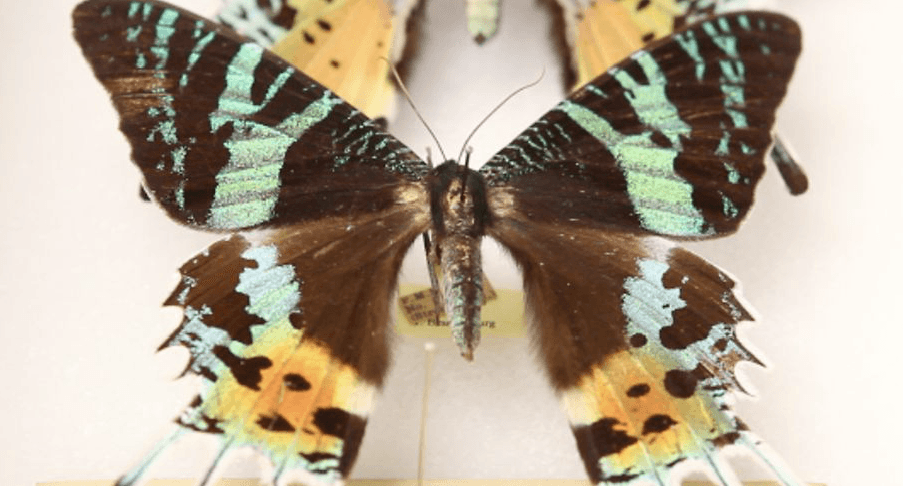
[
  {"x": 228, "y": 135},
  {"x": 670, "y": 141}
]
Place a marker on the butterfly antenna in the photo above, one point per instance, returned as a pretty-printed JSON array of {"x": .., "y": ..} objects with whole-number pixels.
[
  {"x": 498, "y": 106},
  {"x": 407, "y": 96}
]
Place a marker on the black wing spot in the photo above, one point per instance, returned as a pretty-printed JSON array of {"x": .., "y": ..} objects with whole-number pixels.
[
  {"x": 324, "y": 25},
  {"x": 657, "y": 423},
  {"x": 196, "y": 402},
  {"x": 296, "y": 382},
  {"x": 638, "y": 390},
  {"x": 726, "y": 439},
  {"x": 276, "y": 423},
  {"x": 601, "y": 439},
  {"x": 309, "y": 38},
  {"x": 638, "y": 340},
  {"x": 680, "y": 383},
  {"x": 686, "y": 330},
  {"x": 285, "y": 16},
  {"x": 332, "y": 421},
  {"x": 247, "y": 372},
  {"x": 609, "y": 440},
  {"x": 660, "y": 139},
  {"x": 207, "y": 373},
  {"x": 334, "y": 63},
  {"x": 210, "y": 425}
]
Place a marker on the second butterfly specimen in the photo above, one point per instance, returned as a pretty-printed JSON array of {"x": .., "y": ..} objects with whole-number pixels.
[
  {"x": 601, "y": 33},
  {"x": 289, "y": 329},
  {"x": 345, "y": 45}
]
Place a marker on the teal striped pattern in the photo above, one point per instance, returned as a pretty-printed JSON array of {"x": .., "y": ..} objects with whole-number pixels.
[{"x": 676, "y": 125}]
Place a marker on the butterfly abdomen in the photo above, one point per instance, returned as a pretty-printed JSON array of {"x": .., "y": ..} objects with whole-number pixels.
[{"x": 460, "y": 214}]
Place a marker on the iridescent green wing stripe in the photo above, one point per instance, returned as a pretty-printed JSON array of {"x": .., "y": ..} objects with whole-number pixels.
[
  {"x": 670, "y": 141},
  {"x": 228, "y": 135},
  {"x": 654, "y": 19}
]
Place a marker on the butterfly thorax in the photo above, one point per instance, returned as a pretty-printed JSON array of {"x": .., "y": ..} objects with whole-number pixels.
[{"x": 459, "y": 217}]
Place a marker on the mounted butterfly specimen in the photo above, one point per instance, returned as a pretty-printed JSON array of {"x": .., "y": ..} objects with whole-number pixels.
[
  {"x": 601, "y": 33},
  {"x": 289, "y": 329},
  {"x": 342, "y": 44}
]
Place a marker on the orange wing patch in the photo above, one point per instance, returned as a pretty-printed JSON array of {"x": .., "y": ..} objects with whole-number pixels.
[
  {"x": 632, "y": 416},
  {"x": 309, "y": 409},
  {"x": 269, "y": 382},
  {"x": 344, "y": 46},
  {"x": 608, "y": 31}
]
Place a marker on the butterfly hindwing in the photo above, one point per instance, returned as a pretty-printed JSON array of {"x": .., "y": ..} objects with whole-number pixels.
[
  {"x": 266, "y": 383},
  {"x": 227, "y": 134},
  {"x": 290, "y": 340},
  {"x": 670, "y": 141},
  {"x": 638, "y": 337}
]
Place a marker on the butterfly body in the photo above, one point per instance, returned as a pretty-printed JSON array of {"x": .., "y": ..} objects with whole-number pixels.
[
  {"x": 289, "y": 330},
  {"x": 460, "y": 216}
]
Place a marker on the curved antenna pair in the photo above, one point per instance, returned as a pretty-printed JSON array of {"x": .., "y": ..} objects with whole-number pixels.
[{"x": 410, "y": 100}]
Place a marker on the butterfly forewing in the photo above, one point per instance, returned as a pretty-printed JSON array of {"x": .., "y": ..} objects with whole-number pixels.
[
  {"x": 601, "y": 34},
  {"x": 670, "y": 141},
  {"x": 228, "y": 135}
]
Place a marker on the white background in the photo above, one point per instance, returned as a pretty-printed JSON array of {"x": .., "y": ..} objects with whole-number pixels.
[{"x": 85, "y": 265}]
